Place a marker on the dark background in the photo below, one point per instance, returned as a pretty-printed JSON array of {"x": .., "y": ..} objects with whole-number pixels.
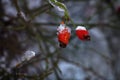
[{"x": 30, "y": 25}]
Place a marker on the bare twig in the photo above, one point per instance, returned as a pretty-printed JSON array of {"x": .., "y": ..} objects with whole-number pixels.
[{"x": 89, "y": 25}]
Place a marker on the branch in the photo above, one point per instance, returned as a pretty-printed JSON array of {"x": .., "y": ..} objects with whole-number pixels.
[
  {"x": 20, "y": 14},
  {"x": 15, "y": 2},
  {"x": 89, "y": 25},
  {"x": 40, "y": 10}
]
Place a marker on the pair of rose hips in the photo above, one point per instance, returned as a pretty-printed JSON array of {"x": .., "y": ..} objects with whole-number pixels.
[{"x": 64, "y": 34}]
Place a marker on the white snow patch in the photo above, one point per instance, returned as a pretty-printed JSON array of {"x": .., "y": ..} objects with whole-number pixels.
[
  {"x": 57, "y": 7},
  {"x": 80, "y": 28},
  {"x": 61, "y": 27},
  {"x": 28, "y": 55}
]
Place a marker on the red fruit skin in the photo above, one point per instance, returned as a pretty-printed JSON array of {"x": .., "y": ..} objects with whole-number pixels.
[
  {"x": 83, "y": 34},
  {"x": 64, "y": 36}
]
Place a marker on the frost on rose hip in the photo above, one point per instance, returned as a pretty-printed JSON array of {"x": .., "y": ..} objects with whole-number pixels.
[
  {"x": 63, "y": 35},
  {"x": 82, "y": 33}
]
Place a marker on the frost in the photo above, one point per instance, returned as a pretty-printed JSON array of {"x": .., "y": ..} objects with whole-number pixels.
[
  {"x": 69, "y": 29},
  {"x": 80, "y": 28},
  {"x": 57, "y": 7},
  {"x": 52, "y": 3},
  {"x": 61, "y": 27},
  {"x": 22, "y": 14},
  {"x": 28, "y": 55}
]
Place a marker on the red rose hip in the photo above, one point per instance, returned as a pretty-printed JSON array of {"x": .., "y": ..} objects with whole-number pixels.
[
  {"x": 63, "y": 35},
  {"x": 82, "y": 33}
]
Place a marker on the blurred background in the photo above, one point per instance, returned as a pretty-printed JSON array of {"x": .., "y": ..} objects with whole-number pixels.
[{"x": 31, "y": 25}]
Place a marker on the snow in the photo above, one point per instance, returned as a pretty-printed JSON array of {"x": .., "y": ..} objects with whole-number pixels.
[
  {"x": 80, "y": 28},
  {"x": 52, "y": 3},
  {"x": 28, "y": 55},
  {"x": 57, "y": 7},
  {"x": 61, "y": 27}
]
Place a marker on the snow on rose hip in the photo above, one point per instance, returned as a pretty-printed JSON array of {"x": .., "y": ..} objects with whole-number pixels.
[
  {"x": 63, "y": 34},
  {"x": 82, "y": 33}
]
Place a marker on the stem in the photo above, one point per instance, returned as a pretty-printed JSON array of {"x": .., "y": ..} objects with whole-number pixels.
[
  {"x": 72, "y": 22},
  {"x": 16, "y": 5}
]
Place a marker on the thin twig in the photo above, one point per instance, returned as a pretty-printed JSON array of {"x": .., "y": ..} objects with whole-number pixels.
[{"x": 90, "y": 25}]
